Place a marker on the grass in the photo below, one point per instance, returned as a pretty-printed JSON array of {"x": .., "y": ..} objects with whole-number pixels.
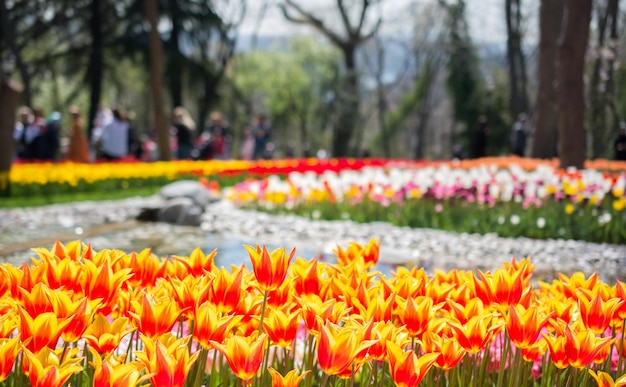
[{"x": 68, "y": 197}]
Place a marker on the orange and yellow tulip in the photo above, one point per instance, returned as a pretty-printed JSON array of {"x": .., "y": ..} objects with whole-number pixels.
[
  {"x": 45, "y": 369},
  {"x": 281, "y": 327},
  {"x": 407, "y": 370},
  {"x": 42, "y": 331},
  {"x": 167, "y": 360},
  {"x": 524, "y": 325},
  {"x": 9, "y": 348},
  {"x": 606, "y": 380},
  {"x": 476, "y": 333},
  {"x": 451, "y": 352},
  {"x": 198, "y": 264},
  {"x": 292, "y": 379},
  {"x": 356, "y": 252},
  {"x": 244, "y": 355},
  {"x": 416, "y": 313},
  {"x": 154, "y": 317},
  {"x": 209, "y": 326},
  {"x": 597, "y": 314},
  {"x": 575, "y": 349},
  {"x": 112, "y": 372},
  {"x": 338, "y": 347},
  {"x": 270, "y": 269},
  {"x": 226, "y": 289},
  {"x": 104, "y": 336}
]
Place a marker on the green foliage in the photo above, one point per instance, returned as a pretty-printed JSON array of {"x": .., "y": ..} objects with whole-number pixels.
[
  {"x": 549, "y": 221},
  {"x": 289, "y": 86}
]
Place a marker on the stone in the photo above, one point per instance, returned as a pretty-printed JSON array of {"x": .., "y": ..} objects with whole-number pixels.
[
  {"x": 182, "y": 211},
  {"x": 188, "y": 189}
]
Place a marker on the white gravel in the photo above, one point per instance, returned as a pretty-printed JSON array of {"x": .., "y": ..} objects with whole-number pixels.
[{"x": 226, "y": 227}]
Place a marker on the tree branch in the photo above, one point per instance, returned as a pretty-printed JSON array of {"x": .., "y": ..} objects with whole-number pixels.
[
  {"x": 346, "y": 21},
  {"x": 308, "y": 18}
]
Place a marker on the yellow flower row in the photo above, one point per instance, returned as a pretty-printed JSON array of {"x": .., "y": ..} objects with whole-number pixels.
[{"x": 70, "y": 173}]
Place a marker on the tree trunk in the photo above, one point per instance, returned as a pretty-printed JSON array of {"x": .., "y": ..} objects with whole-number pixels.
[
  {"x": 96, "y": 63},
  {"x": 348, "y": 106},
  {"x": 175, "y": 73},
  {"x": 9, "y": 99},
  {"x": 518, "y": 98},
  {"x": 156, "y": 80},
  {"x": 8, "y": 32},
  {"x": 571, "y": 90},
  {"x": 546, "y": 115},
  {"x": 601, "y": 98}
]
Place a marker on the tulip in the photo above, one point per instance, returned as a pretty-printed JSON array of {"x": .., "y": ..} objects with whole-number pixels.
[
  {"x": 292, "y": 379},
  {"x": 524, "y": 327},
  {"x": 226, "y": 290},
  {"x": 338, "y": 347},
  {"x": 42, "y": 331},
  {"x": 9, "y": 348},
  {"x": 270, "y": 269},
  {"x": 45, "y": 369},
  {"x": 595, "y": 313},
  {"x": 112, "y": 372},
  {"x": 282, "y": 327},
  {"x": 209, "y": 326},
  {"x": 189, "y": 292},
  {"x": 605, "y": 380},
  {"x": 476, "y": 333},
  {"x": 198, "y": 264},
  {"x": 451, "y": 352},
  {"x": 154, "y": 317},
  {"x": 81, "y": 312},
  {"x": 407, "y": 370},
  {"x": 416, "y": 313},
  {"x": 167, "y": 359},
  {"x": 244, "y": 355},
  {"x": 104, "y": 336},
  {"x": 100, "y": 282},
  {"x": 306, "y": 276}
]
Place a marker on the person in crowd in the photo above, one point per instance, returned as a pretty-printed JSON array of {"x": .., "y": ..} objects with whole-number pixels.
[
  {"x": 78, "y": 151},
  {"x": 49, "y": 137},
  {"x": 519, "y": 135},
  {"x": 28, "y": 144},
  {"x": 619, "y": 145},
  {"x": 261, "y": 130},
  {"x": 114, "y": 138},
  {"x": 481, "y": 138},
  {"x": 246, "y": 149},
  {"x": 183, "y": 128},
  {"x": 219, "y": 136}
]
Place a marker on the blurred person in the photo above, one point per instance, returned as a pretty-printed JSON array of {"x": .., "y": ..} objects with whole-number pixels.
[
  {"x": 261, "y": 129},
  {"x": 519, "y": 135},
  {"x": 114, "y": 138},
  {"x": 28, "y": 148},
  {"x": 183, "y": 128},
  {"x": 78, "y": 151},
  {"x": 246, "y": 150},
  {"x": 49, "y": 137},
  {"x": 619, "y": 145},
  {"x": 219, "y": 136}
]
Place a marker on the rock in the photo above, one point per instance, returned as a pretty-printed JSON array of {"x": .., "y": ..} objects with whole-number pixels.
[
  {"x": 188, "y": 189},
  {"x": 182, "y": 211}
]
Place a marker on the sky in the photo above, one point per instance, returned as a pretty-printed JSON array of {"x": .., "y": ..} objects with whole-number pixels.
[{"x": 485, "y": 18}]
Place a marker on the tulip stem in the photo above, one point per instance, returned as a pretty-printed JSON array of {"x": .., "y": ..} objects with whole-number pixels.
[
  {"x": 620, "y": 350},
  {"x": 263, "y": 311}
]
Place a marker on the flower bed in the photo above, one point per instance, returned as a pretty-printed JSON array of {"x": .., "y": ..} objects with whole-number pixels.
[
  {"x": 36, "y": 179},
  {"x": 539, "y": 203},
  {"x": 108, "y": 318}
]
